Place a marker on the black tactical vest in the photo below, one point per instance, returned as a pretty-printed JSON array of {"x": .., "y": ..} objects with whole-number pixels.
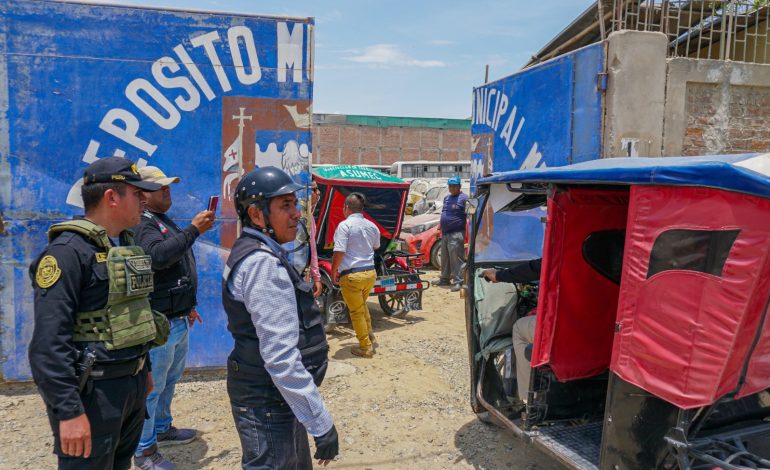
[
  {"x": 175, "y": 287},
  {"x": 248, "y": 382}
]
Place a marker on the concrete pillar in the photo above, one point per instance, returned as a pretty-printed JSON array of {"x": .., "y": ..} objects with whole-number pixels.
[{"x": 635, "y": 99}]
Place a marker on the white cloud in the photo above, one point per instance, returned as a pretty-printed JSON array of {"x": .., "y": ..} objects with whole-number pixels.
[{"x": 390, "y": 55}]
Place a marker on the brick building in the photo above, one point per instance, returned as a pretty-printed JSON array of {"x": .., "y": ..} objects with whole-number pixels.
[{"x": 383, "y": 140}]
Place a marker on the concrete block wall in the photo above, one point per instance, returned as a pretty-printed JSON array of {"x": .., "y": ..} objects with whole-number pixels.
[
  {"x": 715, "y": 107},
  {"x": 337, "y": 141},
  {"x": 656, "y": 106}
]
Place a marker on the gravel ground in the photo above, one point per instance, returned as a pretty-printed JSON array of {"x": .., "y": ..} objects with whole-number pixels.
[{"x": 407, "y": 408}]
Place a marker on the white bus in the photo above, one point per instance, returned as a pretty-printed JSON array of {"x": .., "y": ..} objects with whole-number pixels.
[{"x": 429, "y": 169}]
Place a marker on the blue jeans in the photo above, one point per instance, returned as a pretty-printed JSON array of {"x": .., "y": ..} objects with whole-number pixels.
[
  {"x": 167, "y": 368},
  {"x": 271, "y": 438}
]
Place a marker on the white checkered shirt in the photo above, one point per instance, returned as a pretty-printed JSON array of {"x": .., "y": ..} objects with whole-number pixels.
[{"x": 264, "y": 286}]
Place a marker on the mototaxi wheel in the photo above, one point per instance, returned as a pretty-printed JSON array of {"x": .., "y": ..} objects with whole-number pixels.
[{"x": 394, "y": 304}]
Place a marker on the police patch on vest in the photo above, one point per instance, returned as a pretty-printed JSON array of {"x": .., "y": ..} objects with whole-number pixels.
[
  {"x": 140, "y": 282},
  {"x": 140, "y": 275},
  {"x": 101, "y": 257},
  {"x": 48, "y": 272}
]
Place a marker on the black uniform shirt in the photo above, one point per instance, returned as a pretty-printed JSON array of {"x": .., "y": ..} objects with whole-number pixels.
[
  {"x": 76, "y": 282},
  {"x": 170, "y": 249}
]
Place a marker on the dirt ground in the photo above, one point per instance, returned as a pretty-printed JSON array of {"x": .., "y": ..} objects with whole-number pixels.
[{"x": 407, "y": 408}]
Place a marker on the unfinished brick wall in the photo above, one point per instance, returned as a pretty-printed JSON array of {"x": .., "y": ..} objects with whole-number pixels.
[
  {"x": 371, "y": 145},
  {"x": 722, "y": 119}
]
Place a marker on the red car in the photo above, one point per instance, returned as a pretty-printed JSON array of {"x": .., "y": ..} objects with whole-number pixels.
[{"x": 421, "y": 234}]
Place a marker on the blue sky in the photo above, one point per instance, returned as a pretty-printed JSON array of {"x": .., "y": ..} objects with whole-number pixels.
[{"x": 418, "y": 58}]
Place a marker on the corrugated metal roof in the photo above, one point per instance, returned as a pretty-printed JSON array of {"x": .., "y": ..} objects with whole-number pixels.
[{"x": 583, "y": 30}]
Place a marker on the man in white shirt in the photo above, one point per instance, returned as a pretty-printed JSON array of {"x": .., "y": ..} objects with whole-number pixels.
[{"x": 355, "y": 240}]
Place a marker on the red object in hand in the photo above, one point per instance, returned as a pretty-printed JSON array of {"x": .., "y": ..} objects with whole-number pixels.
[{"x": 213, "y": 201}]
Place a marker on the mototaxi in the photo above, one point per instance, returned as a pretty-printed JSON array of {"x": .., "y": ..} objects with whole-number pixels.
[
  {"x": 398, "y": 287},
  {"x": 651, "y": 346}
]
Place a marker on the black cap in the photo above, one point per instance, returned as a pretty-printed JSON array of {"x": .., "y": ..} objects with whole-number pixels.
[{"x": 117, "y": 170}]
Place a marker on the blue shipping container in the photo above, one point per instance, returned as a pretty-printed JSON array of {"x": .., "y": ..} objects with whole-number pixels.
[
  {"x": 546, "y": 115},
  {"x": 197, "y": 94}
]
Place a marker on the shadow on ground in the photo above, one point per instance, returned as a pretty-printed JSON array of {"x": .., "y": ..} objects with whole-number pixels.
[
  {"x": 193, "y": 455},
  {"x": 380, "y": 321},
  {"x": 490, "y": 446}
]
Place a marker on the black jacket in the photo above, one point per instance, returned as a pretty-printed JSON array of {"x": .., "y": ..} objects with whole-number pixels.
[
  {"x": 176, "y": 279},
  {"x": 80, "y": 286},
  {"x": 527, "y": 271}
]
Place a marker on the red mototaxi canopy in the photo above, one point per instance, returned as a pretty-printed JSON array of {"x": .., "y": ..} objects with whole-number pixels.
[{"x": 685, "y": 336}]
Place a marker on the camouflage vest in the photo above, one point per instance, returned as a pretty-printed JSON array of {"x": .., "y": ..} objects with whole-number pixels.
[{"x": 127, "y": 320}]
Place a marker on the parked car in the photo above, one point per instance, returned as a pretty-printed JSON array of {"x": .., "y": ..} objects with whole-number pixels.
[
  {"x": 422, "y": 234},
  {"x": 419, "y": 235},
  {"x": 417, "y": 189},
  {"x": 434, "y": 198}
]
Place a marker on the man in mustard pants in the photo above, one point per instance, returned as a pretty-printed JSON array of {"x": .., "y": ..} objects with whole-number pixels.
[{"x": 355, "y": 240}]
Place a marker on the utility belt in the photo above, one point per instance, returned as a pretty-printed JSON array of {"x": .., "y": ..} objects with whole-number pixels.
[
  {"x": 107, "y": 371},
  {"x": 86, "y": 368},
  {"x": 356, "y": 270}
]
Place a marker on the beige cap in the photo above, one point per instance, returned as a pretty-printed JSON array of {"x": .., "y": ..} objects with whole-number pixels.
[{"x": 155, "y": 175}]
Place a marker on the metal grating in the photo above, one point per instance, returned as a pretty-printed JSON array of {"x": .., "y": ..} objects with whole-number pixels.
[
  {"x": 734, "y": 30},
  {"x": 579, "y": 445}
]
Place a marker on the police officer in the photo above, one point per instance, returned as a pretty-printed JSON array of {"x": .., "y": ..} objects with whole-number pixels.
[
  {"x": 93, "y": 322},
  {"x": 176, "y": 285},
  {"x": 280, "y": 354}
]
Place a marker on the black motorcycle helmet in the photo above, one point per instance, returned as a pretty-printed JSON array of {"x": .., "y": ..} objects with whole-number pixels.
[{"x": 257, "y": 187}]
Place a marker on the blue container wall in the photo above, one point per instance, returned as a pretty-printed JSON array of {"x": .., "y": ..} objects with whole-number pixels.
[
  {"x": 546, "y": 115},
  {"x": 160, "y": 87}
]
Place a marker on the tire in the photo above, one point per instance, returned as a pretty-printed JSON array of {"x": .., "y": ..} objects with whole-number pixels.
[
  {"x": 435, "y": 254},
  {"x": 333, "y": 308},
  {"x": 392, "y": 304}
]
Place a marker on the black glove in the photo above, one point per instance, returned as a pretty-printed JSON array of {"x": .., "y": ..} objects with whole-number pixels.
[{"x": 327, "y": 446}]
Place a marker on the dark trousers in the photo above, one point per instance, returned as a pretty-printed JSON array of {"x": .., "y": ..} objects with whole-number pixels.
[
  {"x": 453, "y": 257},
  {"x": 115, "y": 410},
  {"x": 271, "y": 438}
]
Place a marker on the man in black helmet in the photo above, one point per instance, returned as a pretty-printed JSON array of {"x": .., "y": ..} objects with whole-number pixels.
[{"x": 280, "y": 354}]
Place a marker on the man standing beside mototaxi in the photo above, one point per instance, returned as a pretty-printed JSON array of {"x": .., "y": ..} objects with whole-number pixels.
[
  {"x": 452, "y": 227},
  {"x": 93, "y": 322},
  {"x": 280, "y": 353},
  {"x": 176, "y": 285},
  {"x": 355, "y": 240}
]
